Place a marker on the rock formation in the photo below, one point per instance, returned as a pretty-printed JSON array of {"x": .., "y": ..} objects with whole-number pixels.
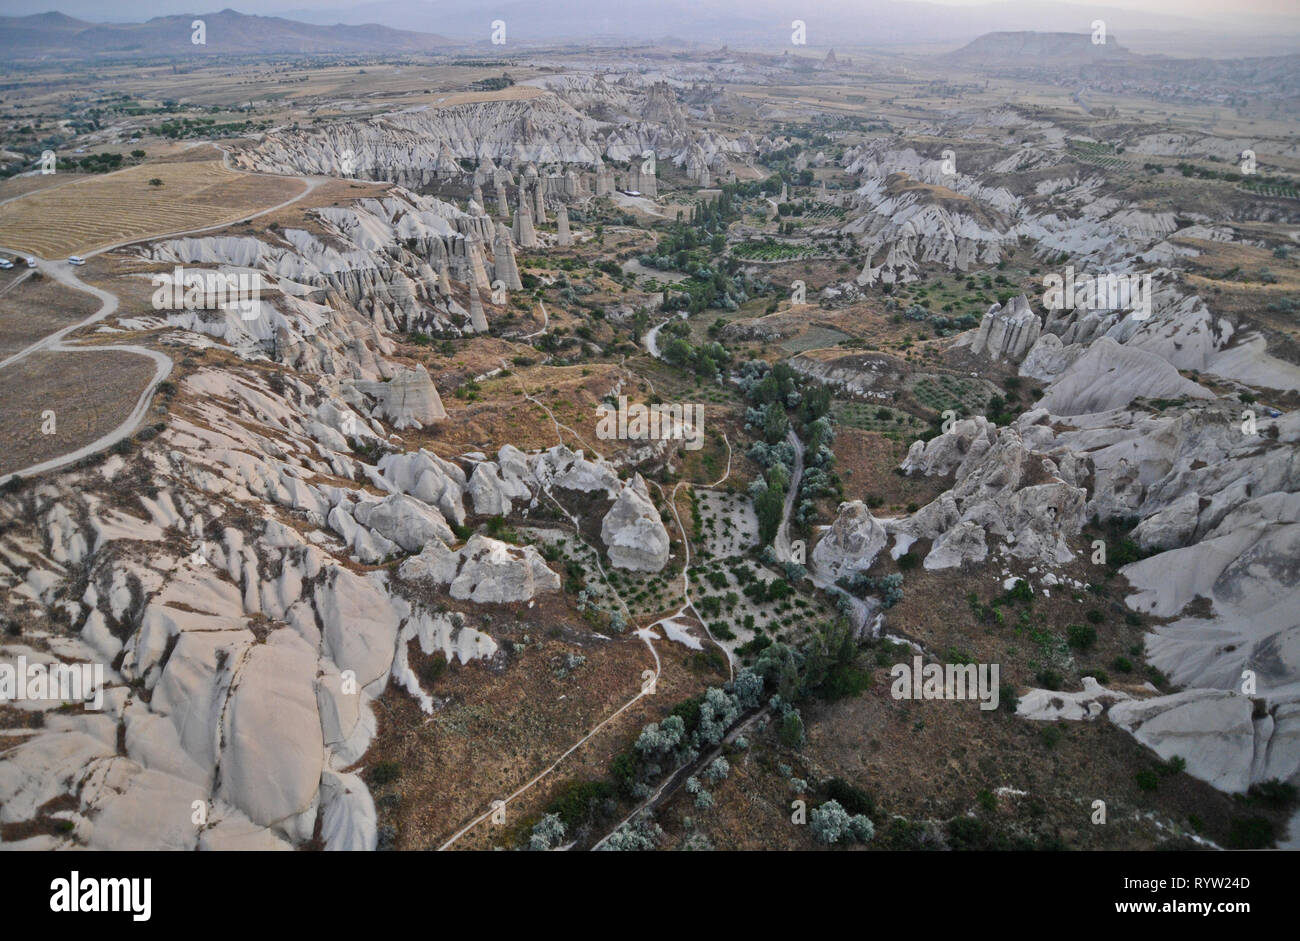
[
  {"x": 632, "y": 531},
  {"x": 604, "y": 179},
  {"x": 851, "y": 544},
  {"x": 1007, "y": 332},
  {"x": 477, "y": 319},
  {"x": 525, "y": 236},
  {"x": 485, "y": 571},
  {"x": 562, "y": 237},
  {"x": 505, "y": 268},
  {"x": 407, "y": 400}
]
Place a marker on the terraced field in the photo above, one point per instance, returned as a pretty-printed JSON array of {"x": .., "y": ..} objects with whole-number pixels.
[
  {"x": 1270, "y": 189},
  {"x": 771, "y": 251},
  {"x": 880, "y": 418},
  {"x": 814, "y": 338},
  {"x": 115, "y": 207},
  {"x": 940, "y": 392}
]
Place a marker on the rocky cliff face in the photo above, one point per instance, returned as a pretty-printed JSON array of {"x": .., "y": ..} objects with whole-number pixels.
[
  {"x": 1007, "y": 332},
  {"x": 375, "y": 271},
  {"x": 573, "y": 125}
]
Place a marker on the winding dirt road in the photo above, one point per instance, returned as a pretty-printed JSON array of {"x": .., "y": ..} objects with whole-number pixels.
[{"x": 65, "y": 273}]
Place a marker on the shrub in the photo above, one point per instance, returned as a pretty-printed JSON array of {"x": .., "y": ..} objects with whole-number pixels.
[
  {"x": 852, "y": 798},
  {"x": 1049, "y": 679},
  {"x": 831, "y": 823},
  {"x": 1250, "y": 833},
  {"x": 792, "y": 732},
  {"x": 968, "y": 833},
  {"x": 547, "y": 833},
  {"x": 1020, "y": 591},
  {"x": 1274, "y": 793},
  {"x": 1147, "y": 779},
  {"x": 385, "y": 772},
  {"x": 1081, "y": 636}
]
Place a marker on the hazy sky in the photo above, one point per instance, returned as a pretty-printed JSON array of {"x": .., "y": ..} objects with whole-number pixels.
[{"x": 99, "y": 10}]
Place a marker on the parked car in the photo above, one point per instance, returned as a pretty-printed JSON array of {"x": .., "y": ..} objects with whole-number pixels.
[
  {"x": 6, "y": 264},
  {"x": 76, "y": 260},
  {"x": 31, "y": 262}
]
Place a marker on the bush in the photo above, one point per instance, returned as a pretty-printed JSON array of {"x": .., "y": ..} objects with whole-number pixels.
[
  {"x": 968, "y": 833},
  {"x": 1081, "y": 636},
  {"x": 1274, "y": 793},
  {"x": 547, "y": 833},
  {"x": 578, "y": 801},
  {"x": 792, "y": 732},
  {"x": 1122, "y": 665},
  {"x": 1049, "y": 679},
  {"x": 386, "y": 772},
  {"x": 1147, "y": 779},
  {"x": 831, "y": 823},
  {"x": 435, "y": 668},
  {"x": 852, "y": 798},
  {"x": 1020, "y": 591},
  {"x": 1250, "y": 833}
]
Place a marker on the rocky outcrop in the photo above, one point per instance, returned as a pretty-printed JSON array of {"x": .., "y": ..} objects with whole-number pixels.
[
  {"x": 1110, "y": 376},
  {"x": 408, "y": 400},
  {"x": 525, "y": 236},
  {"x": 604, "y": 179},
  {"x": 477, "y": 319},
  {"x": 1005, "y": 489},
  {"x": 1217, "y": 733},
  {"x": 851, "y": 544},
  {"x": 484, "y": 570},
  {"x": 505, "y": 269},
  {"x": 563, "y": 239},
  {"x": 1007, "y": 332},
  {"x": 632, "y": 531}
]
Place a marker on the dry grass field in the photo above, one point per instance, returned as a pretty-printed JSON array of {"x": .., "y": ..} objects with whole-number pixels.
[
  {"x": 89, "y": 393},
  {"x": 116, "y": 207},
  {"x": 36, "y": 308}
]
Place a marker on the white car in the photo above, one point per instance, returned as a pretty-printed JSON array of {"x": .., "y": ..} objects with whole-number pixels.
[
  {"x": 6, "y": 264},
  {"x": 31, "y": 262},
  {"x": 76, "y": 260}
]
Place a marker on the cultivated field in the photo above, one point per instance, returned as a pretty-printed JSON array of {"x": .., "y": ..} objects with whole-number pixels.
[
  {"x": 116, "y": 207},
  {"x": 36, "y": 308},
  {"x": 89, "y": 393}
]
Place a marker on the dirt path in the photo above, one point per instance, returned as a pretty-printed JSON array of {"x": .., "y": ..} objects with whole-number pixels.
[
  {"x": 647, "y": 686},
  {"x": 65, "y": 273}
]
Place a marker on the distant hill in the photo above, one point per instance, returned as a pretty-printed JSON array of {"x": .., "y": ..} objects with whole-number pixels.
[
  {"x": 1009, "y": 50},
  {"x": 55, "y": 36}
]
